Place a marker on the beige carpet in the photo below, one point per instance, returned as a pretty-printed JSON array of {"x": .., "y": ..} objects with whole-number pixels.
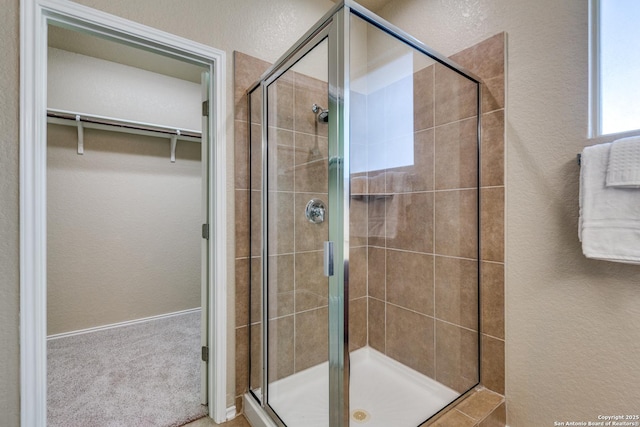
[{"x": 140, "y": 375}]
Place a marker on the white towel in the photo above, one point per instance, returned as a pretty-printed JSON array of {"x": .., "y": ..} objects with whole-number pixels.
[
  {"x": 609, "y": 216},
  {"x": 623, "y": 169}
]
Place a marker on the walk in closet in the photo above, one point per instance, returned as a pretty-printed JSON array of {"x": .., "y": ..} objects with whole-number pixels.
[{"x": 124, "y": 231}]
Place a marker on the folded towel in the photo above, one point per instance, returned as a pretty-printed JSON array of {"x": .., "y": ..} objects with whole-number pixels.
[
  {"x": 376, "y": 184},
  {"x": 624, "y": 163},
  {"x": 609, "y": 224}
]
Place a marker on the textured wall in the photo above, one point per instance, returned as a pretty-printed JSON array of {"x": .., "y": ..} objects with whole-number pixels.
[
  {"x": 9, "y": 215},
  {"x": 572, "y": 324},
  {"x": 123, "y": 228}
]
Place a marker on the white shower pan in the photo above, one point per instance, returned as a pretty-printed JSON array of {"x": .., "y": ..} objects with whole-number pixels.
[{"x": 383, "y": 392}]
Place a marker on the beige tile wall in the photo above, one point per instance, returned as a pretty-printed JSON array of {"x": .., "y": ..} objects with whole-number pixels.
[
  {"x": 299, "y": 166},
  {"x": 423, "y": 299},
  {"x": 487, "y": 60}
]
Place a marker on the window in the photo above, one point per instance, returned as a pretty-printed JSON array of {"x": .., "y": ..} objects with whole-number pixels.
[{"x": 615, "y": 70}]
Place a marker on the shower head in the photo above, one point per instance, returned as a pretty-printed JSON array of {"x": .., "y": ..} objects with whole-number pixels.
[
  {"x": 321, "y": 114},
  {"x": 323, "y": 117}
]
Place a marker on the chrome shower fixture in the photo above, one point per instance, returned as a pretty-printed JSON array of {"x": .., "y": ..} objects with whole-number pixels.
[{"x": 321, "y": 114}]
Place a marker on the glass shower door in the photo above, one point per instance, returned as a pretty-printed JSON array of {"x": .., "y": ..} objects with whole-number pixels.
[{"x": 296, "y": 227}]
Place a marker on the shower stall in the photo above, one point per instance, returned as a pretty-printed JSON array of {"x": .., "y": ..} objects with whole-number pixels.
[{"x": 364, "y": 229}]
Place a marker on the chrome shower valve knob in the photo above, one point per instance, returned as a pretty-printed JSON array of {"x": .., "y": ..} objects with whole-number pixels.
[{"x": 315, "y": 211}]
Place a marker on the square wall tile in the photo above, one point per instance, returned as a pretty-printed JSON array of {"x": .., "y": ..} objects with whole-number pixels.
[
  {"x": 456, "y": 97},
  {"x": 242, "y": 359},
  {"x": 247, "y": 70},
  {"x": 311, "y": 338},
  {"x": 253, "y": 228},
  {"x": 242, "y": 223},
  {"x": 456, "y": 285},
  {"x": 280, "y": 348},
  {"x": 255, "y": 343},
  {"x": 492, "y": 148},
  {"x": 492, "y": 364},
  {"x": 419, "y": 175},
  {"x": 281, "y": 217},
  {"x": 492, "y": 292},
  {"x": 456, "y": 356},
  {"x": 410, "y": 339},
  {"x": 410, "y": 280},
  {"x": 311, "y": 285},
  {"x": 242, "y": 291},
  {"x": 487, "y": 60},
  {"x": 492, "y": 220},
  {"x": 357, "y": 323},
  {"x": 281, "y": 166},
  {"x": 255, "y": 157},
  {"x": 255, "y": 304},
  {"x": 308, "y": 236},
  {"x": 456, "y": 223},
  {"x": 376, "y": 220},
  {"x": 498, "y": 418},
  {"x": 280, "y": 99},
  {"x": 309, "y": 91},
  {"x": 480, "y": 403},
  {"x": 357, "y": 272},
  {"x": 456, "y": 155},
  {"x": 241, "y": 155},
  {"x": 281, "y": 285},
  {"x": 423, "y": 98},
  {"x": 409, "y": 222},
  {"x": 376, "y": 324},
  {"x": 377, "y": 273},
  {"x": 311, "y": 163},
  {"x": 358, "y": 221}
]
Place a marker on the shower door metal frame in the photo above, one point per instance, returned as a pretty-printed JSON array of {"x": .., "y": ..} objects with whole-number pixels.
[
  {"x": 335, "y": 27},
  {"x": 325, "y": 31}
]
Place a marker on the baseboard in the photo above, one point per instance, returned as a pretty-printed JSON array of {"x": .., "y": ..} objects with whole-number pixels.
[
  {"x": 121, "y": 324},
  {"x": 231, "y": 412}
]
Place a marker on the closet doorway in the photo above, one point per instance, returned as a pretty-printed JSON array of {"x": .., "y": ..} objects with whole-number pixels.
[
  {"x": 121, "y": 221},
  {"x": 126, "y": 200}
]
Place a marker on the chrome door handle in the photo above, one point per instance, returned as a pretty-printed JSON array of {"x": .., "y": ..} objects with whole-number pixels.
[{"x": 328, "y": 259}]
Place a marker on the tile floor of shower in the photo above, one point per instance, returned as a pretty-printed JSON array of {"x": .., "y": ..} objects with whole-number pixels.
[{"x": 383, "y": 393}]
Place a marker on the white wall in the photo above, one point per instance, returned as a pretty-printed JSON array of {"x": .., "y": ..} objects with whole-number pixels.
[
  {"x": 123, "y": 228},
  {"x": 123, "y": 222},
  {"x": 572, "y": 324},
  {"x": 89, "y": 85},
  {"x": 9, "y": 215}
]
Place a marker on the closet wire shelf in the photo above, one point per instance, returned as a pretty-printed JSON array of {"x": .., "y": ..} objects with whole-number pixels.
[{"x": 82, "y": 121}]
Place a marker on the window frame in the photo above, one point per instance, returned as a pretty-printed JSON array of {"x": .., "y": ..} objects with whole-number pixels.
[{"x": 595, "y": 128}]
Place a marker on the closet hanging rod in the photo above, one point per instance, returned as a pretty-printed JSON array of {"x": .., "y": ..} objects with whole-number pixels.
[{"x": 69, "y": 118}]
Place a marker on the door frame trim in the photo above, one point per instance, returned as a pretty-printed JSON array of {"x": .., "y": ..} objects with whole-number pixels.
[{"x": 35, "y": 15}]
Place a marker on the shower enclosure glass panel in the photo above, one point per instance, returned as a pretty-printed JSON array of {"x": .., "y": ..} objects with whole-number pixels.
[
  {"x": 365, "y": 224},
  {"x": 413, "y": 238},
  {"x": 296, "y": 218}
]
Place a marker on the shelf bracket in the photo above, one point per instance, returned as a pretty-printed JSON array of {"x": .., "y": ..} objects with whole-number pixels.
[
  {"x": 80, "y": 135},
  {"x": 174, "y": 142}
]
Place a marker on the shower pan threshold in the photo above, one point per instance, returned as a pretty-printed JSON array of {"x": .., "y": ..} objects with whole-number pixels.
[{"x": 383, "y": 392}]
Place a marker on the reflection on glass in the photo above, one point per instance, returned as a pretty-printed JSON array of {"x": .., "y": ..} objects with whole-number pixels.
[
  {"x": 413, "y": 316},
  {"x": 297, "y": 289}
]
